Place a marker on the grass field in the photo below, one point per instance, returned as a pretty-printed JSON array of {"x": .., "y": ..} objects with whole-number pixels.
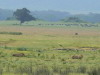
[{"x": 49, "y": 47}]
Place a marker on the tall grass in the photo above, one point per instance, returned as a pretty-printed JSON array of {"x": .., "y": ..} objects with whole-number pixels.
[{"x": 94, "y": 71}]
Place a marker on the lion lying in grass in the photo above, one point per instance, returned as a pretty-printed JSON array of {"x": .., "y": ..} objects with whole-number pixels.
[
  {"x": 19, "y": 55},
  {"x": 77, "y": 56}
]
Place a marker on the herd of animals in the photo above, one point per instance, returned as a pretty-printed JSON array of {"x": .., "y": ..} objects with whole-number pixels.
[{"x": 80, "y": 24}]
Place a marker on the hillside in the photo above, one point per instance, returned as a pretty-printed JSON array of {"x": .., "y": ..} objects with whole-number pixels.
[
  {"x": 52, "y": 15},
  {"x": 91, "y": 17},
  {"x": 4, "y": 13}
]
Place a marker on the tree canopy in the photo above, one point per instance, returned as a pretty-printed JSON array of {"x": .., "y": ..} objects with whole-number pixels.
[{"x": 23, "y": 15}]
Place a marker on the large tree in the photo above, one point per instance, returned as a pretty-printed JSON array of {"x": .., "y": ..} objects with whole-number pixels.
[{"x": 23, "y": 15}]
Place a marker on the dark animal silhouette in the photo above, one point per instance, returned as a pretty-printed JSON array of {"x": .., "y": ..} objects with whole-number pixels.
[
  {"x": 76, "y": 33},
  {"x": 19, "y": 55},
  {"x": 77, "y": 56}
]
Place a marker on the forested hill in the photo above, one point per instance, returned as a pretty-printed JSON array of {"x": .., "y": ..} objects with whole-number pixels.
[
  {"x": 51, "y": 15},
  {"x": 91, "y": 17},
  {"x": 4, "y": 13}
]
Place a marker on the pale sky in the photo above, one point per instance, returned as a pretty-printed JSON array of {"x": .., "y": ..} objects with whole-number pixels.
[{"x": 74, "y": 6}]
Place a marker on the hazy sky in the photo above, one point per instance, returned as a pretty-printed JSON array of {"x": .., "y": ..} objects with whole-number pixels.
[{"x": 76, "y": 6}]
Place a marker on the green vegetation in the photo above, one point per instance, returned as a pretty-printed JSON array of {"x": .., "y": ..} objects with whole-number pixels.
[
  {"x": 12, "y": 33},
  {"x": 47, "y": 48},
  {"x": 23, "y": 15},
  {"x": 52, "y": 15}
]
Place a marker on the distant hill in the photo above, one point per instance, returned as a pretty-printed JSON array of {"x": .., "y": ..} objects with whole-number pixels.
[
  {"x": 91, "y": 17},
  {"x": 52, "y": 15},
  {"x": 4, "y": 13},
  {"x": 49, "y": 15}
]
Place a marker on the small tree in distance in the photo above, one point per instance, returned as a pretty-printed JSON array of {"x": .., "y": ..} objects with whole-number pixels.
[{"x": 23, "y": 15}]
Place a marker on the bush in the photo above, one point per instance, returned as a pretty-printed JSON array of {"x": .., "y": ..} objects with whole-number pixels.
[
  {"x": 12, "y": 33},
  {"x": 22, "y": 49}
]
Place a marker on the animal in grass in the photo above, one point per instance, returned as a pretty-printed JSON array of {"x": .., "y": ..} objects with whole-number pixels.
[
  {"x": 19, "y": 55},
  {"x": 76, "y": 33},
  {"x": 77, "y": 56}
]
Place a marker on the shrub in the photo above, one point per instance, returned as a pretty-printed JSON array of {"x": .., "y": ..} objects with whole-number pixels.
[
  {"x": 12, "y": 33},
  {"x": 22, "y": 49}
]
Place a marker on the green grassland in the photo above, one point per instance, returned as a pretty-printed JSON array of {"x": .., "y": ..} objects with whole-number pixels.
[{"x": 49, "y": 47}]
